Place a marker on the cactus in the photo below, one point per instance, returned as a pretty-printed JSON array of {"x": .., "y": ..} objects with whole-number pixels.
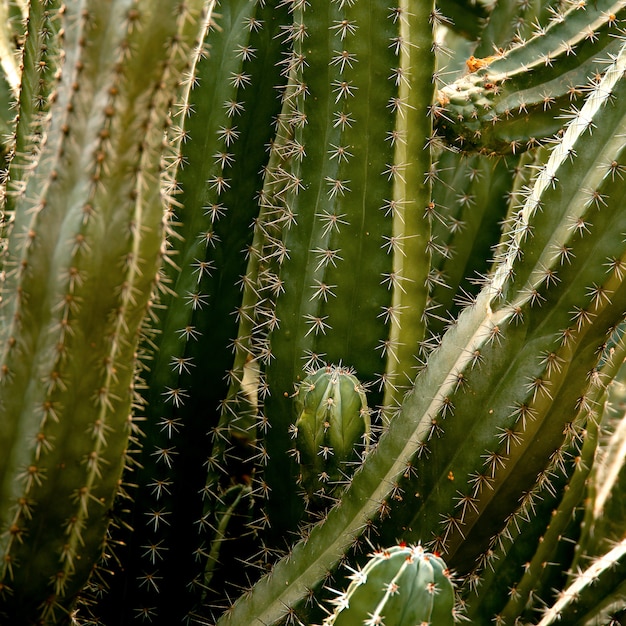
[
  {"x": 211, "y": 224},
  {"x": 513, "y": 101},
  {"x": 85, "y": 213},
  {"x": 399, "y": 586},
  {"x": 332, "y": 422},
  {"x": 215, "y": 220}
]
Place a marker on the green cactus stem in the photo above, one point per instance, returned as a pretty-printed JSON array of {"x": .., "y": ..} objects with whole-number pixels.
[
  {"x": 526, "y": 554},
  {"x": 399, "y": 586},
  {"x": 10, "y": 38},
  {"x": 564, "y": 540},
  {"x": 194, "y": 436},
  {"x": 40, "y": 45},
  {"x": 355, "y": 224},
  {"x": 469, "y": 203},
  {"x": 470, "y": 195},
  {"x": 411, "y": 215},
  {"x": 9, "y": 80},
  {"x": 332, "y": 428},
  {"x": 595, "y": 593},
  {"x": 512, "y": 23},
  {"x": 606, "y": 518},
  {"x": 605, "y": 514},
  {"x": 81, "y": 264},
  {"x": 227, "y": 506}
]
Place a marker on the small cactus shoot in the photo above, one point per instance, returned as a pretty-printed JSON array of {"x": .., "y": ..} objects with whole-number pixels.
[{"x": 332, "y": 427}]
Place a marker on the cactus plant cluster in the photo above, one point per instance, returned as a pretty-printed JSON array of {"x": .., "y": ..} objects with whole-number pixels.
[{"x": 296, "y": 288}]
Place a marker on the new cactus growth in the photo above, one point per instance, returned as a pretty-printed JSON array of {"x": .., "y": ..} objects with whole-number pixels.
[
  {"x": 511, "y": 101},
  {"x": 332, "y": 429},
  {"x": 399, "y": 586}
]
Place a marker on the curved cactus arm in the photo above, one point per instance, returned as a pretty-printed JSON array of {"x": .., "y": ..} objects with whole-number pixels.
[
  {"x": 81, "y": 263},
  {"x": 569, "y": 524},
  {"x": 540, "y": 580},
  {"x": 605, "y": 520},
  {"x": 510, "y": 102},
  {"x": 544, "y": 570},
  {"x": 553, "y": 353},
  {"x": 593, "y": 593},
  {"x": 512, "y": 356}
]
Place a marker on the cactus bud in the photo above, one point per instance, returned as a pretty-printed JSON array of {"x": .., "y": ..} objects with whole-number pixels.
[
  {"x": 332, "y": 419},
  {"x": 403, "y": 585}
]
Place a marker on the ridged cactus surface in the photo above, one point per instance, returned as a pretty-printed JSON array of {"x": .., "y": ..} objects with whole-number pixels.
[
  {"x": 332, "y": 428},
  {"x": 84, "y": 245},
  {"x": 351, "y": 224},
  {"x": 193, "y": 457},
  {"x": 399, "y": 586},
  {"x": 286, "y": 281}
]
